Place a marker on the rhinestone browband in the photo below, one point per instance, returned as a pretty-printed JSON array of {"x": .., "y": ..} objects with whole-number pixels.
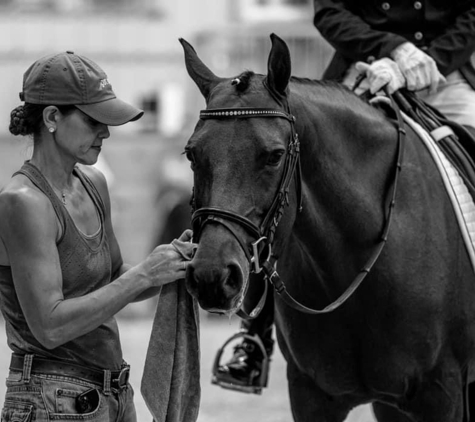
[{"x": 217, "y": 113}]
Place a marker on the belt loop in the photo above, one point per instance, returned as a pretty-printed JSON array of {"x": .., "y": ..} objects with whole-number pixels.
[
  {"x": 27, "y": 363},
  {"x": 106, "y": 387}
]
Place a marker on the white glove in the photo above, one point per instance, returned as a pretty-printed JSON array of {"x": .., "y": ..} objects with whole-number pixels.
[
  {"x": 381, "y": 73},
  {"x": 419, "y": 69}
]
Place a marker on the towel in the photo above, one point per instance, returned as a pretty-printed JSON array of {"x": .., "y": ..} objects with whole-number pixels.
[{"x": 171, "y": 379}]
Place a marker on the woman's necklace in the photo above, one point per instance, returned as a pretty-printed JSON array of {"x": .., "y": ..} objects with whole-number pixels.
[{"x": 62, "y": 194}]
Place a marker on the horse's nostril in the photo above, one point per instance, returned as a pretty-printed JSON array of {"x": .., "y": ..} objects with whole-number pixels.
[
  {"x": 234, "y": 278},
  {"x": 216, "y": 287}
]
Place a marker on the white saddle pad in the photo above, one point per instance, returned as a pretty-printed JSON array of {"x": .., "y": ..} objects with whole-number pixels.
[{"x": 462, "y": 201}]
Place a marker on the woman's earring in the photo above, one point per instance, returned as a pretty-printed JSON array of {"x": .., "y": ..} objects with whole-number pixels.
[{"x": 51, "y": 129}]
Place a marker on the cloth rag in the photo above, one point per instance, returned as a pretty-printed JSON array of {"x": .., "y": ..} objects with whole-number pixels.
[{"x": 171, "y": 379}]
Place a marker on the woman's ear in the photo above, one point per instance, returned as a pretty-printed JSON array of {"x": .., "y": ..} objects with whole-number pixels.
[{"x": 50, "y": 118}]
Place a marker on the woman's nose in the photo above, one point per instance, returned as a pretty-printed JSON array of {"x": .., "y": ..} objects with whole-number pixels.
[{"x": 105, "y": 131}]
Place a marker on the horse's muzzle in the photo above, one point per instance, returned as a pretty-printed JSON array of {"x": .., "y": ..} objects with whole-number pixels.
[{"x": 217, "y": 286}]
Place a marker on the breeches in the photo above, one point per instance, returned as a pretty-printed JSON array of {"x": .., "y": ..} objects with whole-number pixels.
[{"x": 455, "y": 99}]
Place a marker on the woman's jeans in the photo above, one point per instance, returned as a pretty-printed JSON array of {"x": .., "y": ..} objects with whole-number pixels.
[{"x": 45, "y": 398}]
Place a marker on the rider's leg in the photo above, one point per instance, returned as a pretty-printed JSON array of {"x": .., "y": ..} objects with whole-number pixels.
[
  {"x": 455, "y": 99},
  {"x": 246, "y": 364}
]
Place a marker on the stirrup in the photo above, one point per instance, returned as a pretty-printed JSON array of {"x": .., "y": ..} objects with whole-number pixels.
[{"x": 254, "y": 387}]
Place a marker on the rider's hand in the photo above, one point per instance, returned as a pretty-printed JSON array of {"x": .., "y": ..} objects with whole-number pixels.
[
  {"x": 167, "y": 263},
  {"x": 381, "y": 73},
  {"x": 419, "y": 69}
]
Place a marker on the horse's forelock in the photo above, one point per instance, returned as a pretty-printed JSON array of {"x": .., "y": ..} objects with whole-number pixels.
[{"x": 242, "y": 82}]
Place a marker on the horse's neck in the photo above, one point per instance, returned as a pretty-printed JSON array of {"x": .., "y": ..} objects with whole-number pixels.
[{"x": 348, "y": 156}]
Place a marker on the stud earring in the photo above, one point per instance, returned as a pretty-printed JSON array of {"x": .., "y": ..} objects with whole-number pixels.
[{"x": 51, "y": 129}]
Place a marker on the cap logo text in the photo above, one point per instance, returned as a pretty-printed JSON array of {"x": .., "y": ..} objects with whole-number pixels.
[{"x": 103, "y": 83}]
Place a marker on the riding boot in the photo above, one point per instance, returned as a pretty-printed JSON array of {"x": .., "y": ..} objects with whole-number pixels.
[{"x": 246, "y": 366}]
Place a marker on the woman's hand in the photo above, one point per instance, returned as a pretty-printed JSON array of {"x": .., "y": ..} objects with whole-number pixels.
[{"x": 167, "y": 263}]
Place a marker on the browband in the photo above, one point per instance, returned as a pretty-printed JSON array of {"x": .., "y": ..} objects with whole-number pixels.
[{"x": 243, "y": 112}]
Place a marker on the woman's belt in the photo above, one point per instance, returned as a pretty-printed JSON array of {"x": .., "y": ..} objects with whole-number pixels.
[{"x": 38, "y": 365}]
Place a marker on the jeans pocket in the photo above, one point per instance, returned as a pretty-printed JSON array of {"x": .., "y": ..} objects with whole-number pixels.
[
  {"x": 15, "y": 411},
  {"x": 74, "y": 402},
  {"x": 62, "y": 403}
]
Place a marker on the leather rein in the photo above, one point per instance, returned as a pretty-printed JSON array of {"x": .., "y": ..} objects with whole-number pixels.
[{"x": 259, "y": 252}]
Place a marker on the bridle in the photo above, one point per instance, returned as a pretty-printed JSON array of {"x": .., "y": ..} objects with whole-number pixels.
[{"x": 259, "y": 253}]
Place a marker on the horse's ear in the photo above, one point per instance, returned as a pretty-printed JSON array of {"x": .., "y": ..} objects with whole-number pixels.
[
  {"x": 198, "y": 71},
  {"x": 278, "y": 66}
]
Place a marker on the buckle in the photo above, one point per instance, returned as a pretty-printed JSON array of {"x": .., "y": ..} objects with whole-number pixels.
[
  {"x": 123, "y": 377},
  {"x": 256, "y": 255}
]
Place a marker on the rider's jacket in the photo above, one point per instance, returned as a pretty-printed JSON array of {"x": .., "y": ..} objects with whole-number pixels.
[{"x": 364, "y": 30}]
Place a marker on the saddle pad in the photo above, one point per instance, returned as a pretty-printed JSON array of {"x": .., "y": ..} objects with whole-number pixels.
[{"x": 460, "y": 197}]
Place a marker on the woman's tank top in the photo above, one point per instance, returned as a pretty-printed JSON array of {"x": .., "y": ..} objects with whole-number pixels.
[{"x": 86, "y": 266}]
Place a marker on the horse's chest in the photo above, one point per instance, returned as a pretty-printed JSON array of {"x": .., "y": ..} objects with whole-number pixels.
[{"x": 323, "y": 351}]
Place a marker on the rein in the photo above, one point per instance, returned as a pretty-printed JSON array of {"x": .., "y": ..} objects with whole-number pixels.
[{"x": 264, "y": 234}]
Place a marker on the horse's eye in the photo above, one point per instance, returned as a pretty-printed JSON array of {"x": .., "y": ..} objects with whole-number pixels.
[
  {"x": 189, "y": 156},
  {"x": 275, "y": 157}
]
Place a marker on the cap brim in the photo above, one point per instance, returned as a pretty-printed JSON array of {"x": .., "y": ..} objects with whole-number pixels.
[{"x": 114, "y": 112}]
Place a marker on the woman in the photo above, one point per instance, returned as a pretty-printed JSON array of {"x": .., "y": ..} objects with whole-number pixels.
[{"x": 62, "y": 278}]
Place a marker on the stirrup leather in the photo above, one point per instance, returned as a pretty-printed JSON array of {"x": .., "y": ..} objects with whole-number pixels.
[{"x": 254, "y": 387}]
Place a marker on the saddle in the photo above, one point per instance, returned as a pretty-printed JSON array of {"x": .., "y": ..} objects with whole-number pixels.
[{"x": 456, "y": 141}]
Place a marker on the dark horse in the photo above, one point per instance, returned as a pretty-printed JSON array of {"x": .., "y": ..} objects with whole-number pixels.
[{"x": 404, "y": 340}]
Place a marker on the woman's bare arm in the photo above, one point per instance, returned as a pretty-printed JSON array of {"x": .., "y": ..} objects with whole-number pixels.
[{"x": 29, "y": 229}]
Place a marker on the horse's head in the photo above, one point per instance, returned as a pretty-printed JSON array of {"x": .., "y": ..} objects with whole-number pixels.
[{"x": 243, "y": 153}]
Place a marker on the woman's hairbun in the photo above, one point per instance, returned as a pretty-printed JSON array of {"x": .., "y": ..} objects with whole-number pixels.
[{"x": 18, "y": 123}]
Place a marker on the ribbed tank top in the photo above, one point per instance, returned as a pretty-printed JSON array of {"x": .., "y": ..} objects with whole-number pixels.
[{"x": 86, "y": 266}]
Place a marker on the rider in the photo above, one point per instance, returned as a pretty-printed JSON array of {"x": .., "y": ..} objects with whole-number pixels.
[{"x": 422, "y": 45}]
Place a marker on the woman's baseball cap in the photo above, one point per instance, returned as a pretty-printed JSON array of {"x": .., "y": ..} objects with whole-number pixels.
[{"x": 69, "y": 79}]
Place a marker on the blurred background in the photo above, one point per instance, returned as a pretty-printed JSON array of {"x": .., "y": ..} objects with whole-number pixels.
[{"x": 136, "y": 43}]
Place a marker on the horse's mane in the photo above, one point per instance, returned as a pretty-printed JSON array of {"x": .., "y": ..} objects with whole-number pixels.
[
  {"x": 333, "y": 89},
  {"x": 243, "y": 81},
  {"x": 347, "y": 97}
]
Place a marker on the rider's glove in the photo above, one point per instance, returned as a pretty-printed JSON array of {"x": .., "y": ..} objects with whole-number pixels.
[
  {"x": 381, "y": 73},
  {"x": 419, "y": 69}
]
